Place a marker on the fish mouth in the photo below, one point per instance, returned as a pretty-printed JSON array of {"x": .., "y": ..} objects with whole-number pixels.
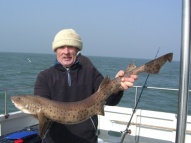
[{"x": 12, "y": 101}]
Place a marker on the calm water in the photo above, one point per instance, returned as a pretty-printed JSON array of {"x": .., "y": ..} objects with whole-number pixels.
[{"x": 18, "y": 73}]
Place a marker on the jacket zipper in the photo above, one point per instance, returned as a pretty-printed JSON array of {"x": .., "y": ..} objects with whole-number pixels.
[{"x": 69, "y": 77}]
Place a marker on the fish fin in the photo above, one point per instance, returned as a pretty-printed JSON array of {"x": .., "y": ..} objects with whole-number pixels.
[
  {"x": 43, "y": 124},
  {"x": 45, "y": 128},
  {"x": 104, "y": 82},
  {"x": 101, "y": 109},
  {"x": 130, "y": 68}
]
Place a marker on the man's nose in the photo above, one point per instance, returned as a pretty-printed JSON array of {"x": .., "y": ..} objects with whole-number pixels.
[{"x": 66, "y": 50}]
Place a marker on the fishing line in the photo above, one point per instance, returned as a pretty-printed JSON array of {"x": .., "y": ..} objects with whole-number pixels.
[{"x": 127, "y": 130}]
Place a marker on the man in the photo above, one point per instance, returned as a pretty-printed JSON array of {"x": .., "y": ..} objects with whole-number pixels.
[{"x": 73, "y": 78}]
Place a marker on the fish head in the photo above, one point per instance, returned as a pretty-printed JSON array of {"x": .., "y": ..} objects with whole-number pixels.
[{"x": 25, "y": 103}]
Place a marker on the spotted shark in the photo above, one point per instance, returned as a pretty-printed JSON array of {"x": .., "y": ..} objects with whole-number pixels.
[{"x": 46, "y": 110}]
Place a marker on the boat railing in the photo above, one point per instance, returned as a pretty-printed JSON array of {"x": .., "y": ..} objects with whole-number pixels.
[
  {"x": 5, "y": 90},
  {"x": 153, "y": 88}
]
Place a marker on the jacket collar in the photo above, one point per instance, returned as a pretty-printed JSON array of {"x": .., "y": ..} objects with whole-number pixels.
[{"x": 61, "y": 67}]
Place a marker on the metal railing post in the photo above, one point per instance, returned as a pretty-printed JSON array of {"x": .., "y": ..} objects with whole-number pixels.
[
  {"x": 136, "y": 91},
  {"x": 5, "y": 102},
  {"x": 184, "y": 73}
]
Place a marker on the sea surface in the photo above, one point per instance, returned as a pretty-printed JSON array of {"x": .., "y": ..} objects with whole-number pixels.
[{"x": 18, "y": 73}]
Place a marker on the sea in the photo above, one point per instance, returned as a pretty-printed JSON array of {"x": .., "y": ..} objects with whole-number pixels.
[{"x": 18, "y": 73}]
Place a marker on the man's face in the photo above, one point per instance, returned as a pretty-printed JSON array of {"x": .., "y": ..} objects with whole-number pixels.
[{"x": 66, "y": 55}]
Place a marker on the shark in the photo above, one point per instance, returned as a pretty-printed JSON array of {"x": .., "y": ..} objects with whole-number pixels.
[{"x": 46, "y": 110}]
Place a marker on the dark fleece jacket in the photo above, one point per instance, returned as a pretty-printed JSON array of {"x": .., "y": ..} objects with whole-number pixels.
[{"x": 70, "y": 85}]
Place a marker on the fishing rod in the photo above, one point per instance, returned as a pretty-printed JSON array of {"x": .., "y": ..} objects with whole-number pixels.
[{"x": 127, "y": 130}]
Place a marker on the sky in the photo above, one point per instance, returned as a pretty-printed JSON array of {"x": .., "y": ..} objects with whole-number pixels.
[{"x": 125, "y": 28}]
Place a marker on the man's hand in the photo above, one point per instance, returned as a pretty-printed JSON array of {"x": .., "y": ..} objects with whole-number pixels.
[{"x": 126, "y": 82}]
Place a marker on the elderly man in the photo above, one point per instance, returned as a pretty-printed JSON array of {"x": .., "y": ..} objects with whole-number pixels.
[{"x": 73, "y": 78}]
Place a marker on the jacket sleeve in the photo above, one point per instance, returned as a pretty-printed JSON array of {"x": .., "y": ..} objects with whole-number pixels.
[
  {"x": 41, "y": 87},
  {"x": 113, "y": 99}
]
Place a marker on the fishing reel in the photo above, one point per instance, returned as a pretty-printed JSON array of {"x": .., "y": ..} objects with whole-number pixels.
[{"x": 127, "y": 131}]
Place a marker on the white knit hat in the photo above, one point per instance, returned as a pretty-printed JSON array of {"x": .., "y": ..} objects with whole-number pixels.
[{"x": 67, "y": 37}]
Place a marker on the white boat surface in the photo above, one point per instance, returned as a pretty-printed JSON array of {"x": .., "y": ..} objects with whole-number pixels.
[{"x": 146, "y": 126}]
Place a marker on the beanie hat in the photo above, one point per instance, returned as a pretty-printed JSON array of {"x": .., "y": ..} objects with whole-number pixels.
[{"x": 67, "y": 37}]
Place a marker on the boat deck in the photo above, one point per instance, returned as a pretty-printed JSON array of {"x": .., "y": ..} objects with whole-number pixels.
[
  {"x": 114, "y": 137},
  {"x": 30, "y": 139}
]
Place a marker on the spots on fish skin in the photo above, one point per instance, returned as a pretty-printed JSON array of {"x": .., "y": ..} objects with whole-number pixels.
[
  {"x": 157, "y": 67},
  {"x": 63, "y": 117}
]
